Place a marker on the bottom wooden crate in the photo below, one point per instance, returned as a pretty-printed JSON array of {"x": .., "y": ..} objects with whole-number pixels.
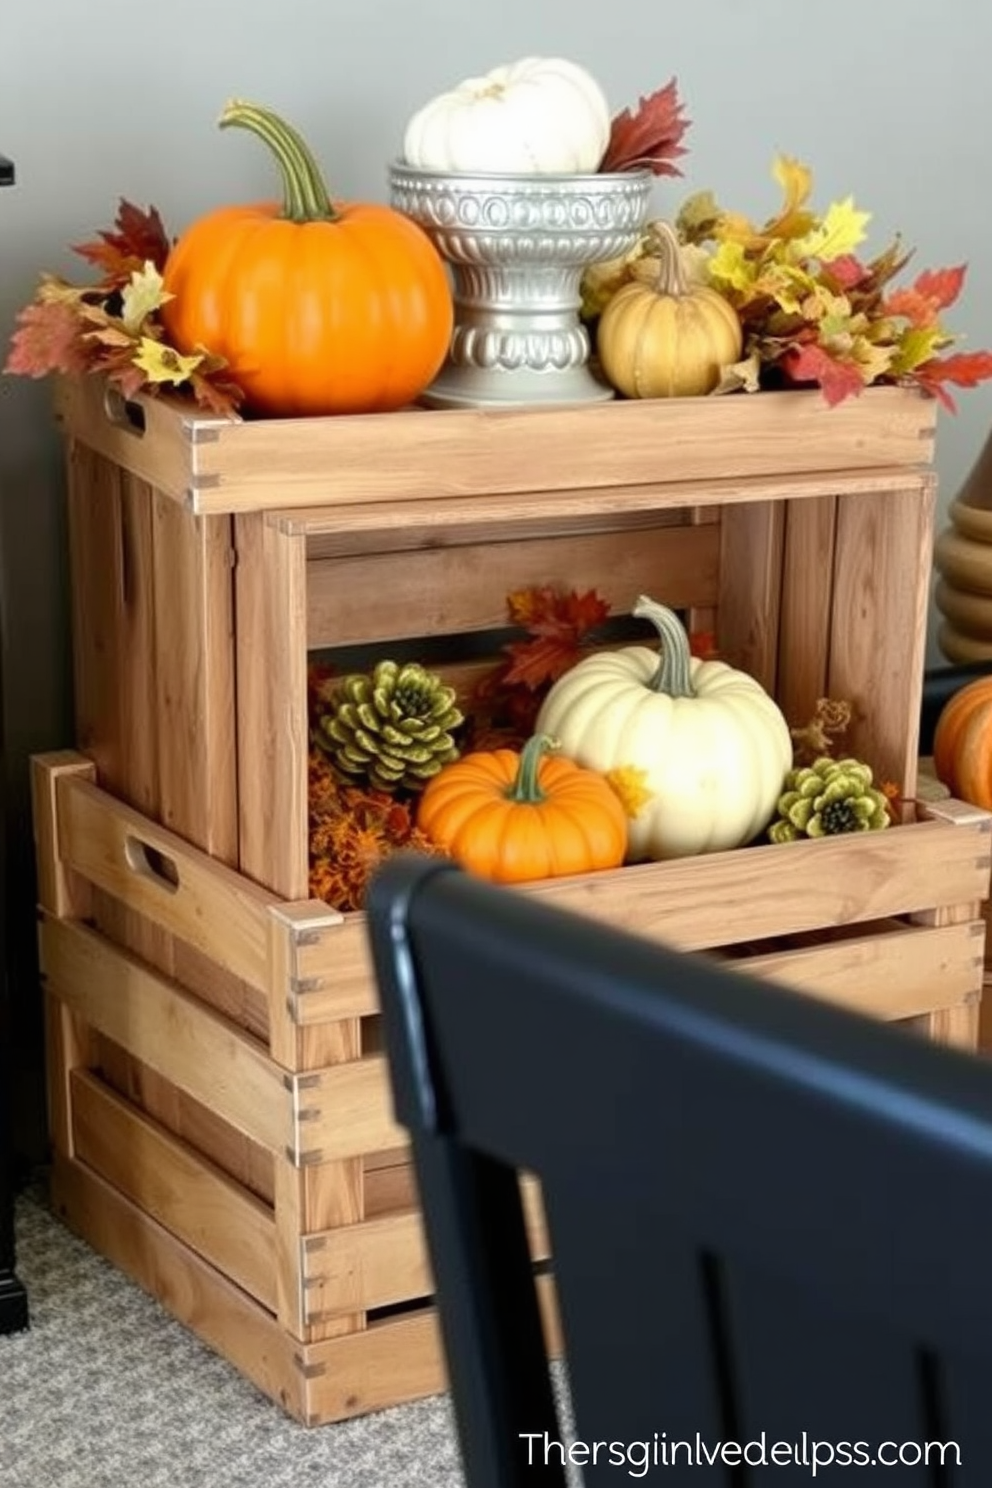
[
  {"x": 219, "y": 1100},
  {"x": 393, "y": 1360}
]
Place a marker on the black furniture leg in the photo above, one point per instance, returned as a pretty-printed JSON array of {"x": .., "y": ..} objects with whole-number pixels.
[{"x": 13, "y": 1297}]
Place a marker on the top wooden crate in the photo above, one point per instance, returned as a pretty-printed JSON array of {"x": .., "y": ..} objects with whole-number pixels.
[
  {"x": 220, "y": 466},
  {"x": 209, "y": 558}
]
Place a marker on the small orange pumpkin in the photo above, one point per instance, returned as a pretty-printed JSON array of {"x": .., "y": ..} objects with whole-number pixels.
[
  {"x": 962, "y": 744},
  {"x": 317, "y": 307},
  {"x": 516, "y": 816}
]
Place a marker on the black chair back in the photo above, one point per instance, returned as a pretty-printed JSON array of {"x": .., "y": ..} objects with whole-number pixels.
[{"x": 770, "y": 1219}]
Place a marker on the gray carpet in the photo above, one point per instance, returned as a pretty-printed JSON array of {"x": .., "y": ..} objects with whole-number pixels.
[{"x": 107, "y": 1391}]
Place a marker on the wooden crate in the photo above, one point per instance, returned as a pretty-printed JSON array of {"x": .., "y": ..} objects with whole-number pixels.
[
  {"x": 219, "y": 1102},
  {"x": 266, "y": 1199}
]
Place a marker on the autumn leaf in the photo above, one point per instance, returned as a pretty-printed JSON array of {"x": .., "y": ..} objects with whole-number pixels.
[
  {"x": 558, "y": 624},
  {"x": 162, "y": 364},
  {"x": 963, "y": 369},
  {"x": 137, "y": 237},
  {"x": 142, "y": 296},
  {"x": 215, "y": 394},
  {"x": 847, "y": 272},
  {"x": 650, "y": 136},
  {"x": 837, "y": 235},
  {"x": 49, "y": 338},
  {"x": 698, "y": 218},
  {"x": 923, "y": 301},
  {"x": 812, "y": 363}
]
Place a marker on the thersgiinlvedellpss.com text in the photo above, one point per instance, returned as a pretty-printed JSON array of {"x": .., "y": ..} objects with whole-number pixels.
[{"x": 639, "y": 1458}]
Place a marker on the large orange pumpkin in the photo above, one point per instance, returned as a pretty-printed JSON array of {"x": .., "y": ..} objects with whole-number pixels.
[
  {"x": 516, "y": 816},
  {"x": 317, "y": 307},
  {"x": 962, "y": 744}
]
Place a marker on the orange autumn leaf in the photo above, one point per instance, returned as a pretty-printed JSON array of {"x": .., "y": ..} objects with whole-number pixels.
[
  {"x": 558, "y": 624},
  {"x": 921, "y": 302}
]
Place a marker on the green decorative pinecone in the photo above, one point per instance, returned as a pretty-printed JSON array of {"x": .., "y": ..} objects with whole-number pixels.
[
  {"x": 393, "y": 729},
  {"x": 826, "y": 798}
]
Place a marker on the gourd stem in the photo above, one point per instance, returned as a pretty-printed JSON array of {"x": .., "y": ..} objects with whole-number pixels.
[
  {"x": 526, "y": 789},
  {"x": 305, "y": 195},
  {"x": 674, "y": 674},
  {"x": 671, "y": 278}
]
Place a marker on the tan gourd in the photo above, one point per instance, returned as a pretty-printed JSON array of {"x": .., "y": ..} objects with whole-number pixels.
[{"x": 662, "y": 336}]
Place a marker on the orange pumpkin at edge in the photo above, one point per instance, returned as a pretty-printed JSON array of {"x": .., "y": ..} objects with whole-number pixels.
[
  {"x": 316, "y": 307},
  {"x": 514, "y": 817},
  {"x": 962, "y": 744}
]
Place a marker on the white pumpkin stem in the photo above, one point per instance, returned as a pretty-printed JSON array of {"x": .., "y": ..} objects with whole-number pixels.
[
  {"x": 670, "y": 276},
  {"x": 674, "y": 674}
]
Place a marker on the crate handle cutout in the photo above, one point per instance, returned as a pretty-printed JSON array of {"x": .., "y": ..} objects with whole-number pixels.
[
  {"x": 151, "y": 863},
  {"x": 123, "y": 412}
]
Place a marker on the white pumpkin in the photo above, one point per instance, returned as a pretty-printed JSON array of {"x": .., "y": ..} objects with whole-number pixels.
[
  {"x": 538, "y": 116},
  {"x": 697, "y": 750}
]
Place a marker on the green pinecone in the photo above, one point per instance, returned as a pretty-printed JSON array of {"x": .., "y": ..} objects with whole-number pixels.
[
  {"x": 392, "y": 729},
  {"x": 828, "y": 797}
]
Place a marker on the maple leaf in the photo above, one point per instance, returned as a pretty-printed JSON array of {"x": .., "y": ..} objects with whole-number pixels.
[
  {"x": 649, "y": 137},
  {"x": 558, "y": 624},
  {"x": 838, "y": 234},
  {"x": 49, "y": 338},
  {"x": 923, "y": 301},
  {"x": 964, "y": 369},
  {"x": 136, "y": 237},
  {"x": 812, "y": 363}
]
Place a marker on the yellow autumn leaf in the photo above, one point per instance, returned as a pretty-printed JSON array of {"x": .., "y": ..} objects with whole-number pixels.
[
  {"x": 142, "y": 296},
  {"x": 698, "y": 218},
  {"x": 840, "y": 231},
  {"x": 872, "y": 361},
  {"x": 916, "y": 346},
  {"x": 796, "y": 181},
  {"x": 794, "y": 218},
  {"x": 731, "y": 269},
  {"x": 162, "y": 364},
  {"x": 628, "y": 783}
]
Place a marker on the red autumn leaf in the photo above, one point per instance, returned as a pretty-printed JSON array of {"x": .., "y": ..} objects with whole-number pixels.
[
  {"x": 649, "y": 137},
  {"x": 942, "y": 286},
  {"x": 702, "y": 644},
  {"x": 847, "y": 271},
  {"x": 811, "y": 363},
  {"x": 963, "y": 369},
  {"x": 49, "y": 338},
  {"x": 136, "y": 238}
]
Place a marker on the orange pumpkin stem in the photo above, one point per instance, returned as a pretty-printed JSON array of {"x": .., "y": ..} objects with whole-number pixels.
[
  {"x": 305, "y": 194},
  {"x": 526, "y": 788},
  {"x": 674, "y": 674}
]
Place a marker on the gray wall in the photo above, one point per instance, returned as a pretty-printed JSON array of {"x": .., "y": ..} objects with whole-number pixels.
[{"x": 888, "y": 99}]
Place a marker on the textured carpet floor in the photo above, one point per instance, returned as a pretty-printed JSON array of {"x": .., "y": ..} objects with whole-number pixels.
[{"x": 107, "y": 1391}]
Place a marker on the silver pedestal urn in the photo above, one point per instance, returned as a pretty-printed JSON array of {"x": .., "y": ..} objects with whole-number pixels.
[{"x": 518, "y": 247}]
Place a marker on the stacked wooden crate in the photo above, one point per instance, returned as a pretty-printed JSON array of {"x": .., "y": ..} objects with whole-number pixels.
[{"x": 220, "y": 1107}]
